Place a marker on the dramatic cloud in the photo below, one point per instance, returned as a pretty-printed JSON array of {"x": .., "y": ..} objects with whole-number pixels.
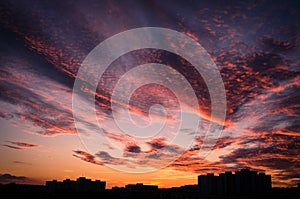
[{"x": 254, "y": 45}]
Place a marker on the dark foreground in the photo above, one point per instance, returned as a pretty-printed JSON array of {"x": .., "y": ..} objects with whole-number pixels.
[{"x": 40, "y": 192}]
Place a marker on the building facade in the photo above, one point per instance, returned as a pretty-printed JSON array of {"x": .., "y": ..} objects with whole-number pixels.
[
  {"x": 239, "y": 183},
  {"x": 82, "y": 184}
]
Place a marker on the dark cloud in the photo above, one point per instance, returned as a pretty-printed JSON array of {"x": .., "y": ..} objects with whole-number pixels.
[
  {"x": 8, "y": 178},
  {"x": 21, "y": 162},
  {"x": 24, "y": 144},
  {"x": 133, "y": 148},
  {"x": 106, "y": 158},
  {"x": 278, "y": 45},
  {"x": 86, "y": 157},
  {"x": 223, "y": 142},
  {"x": 157, "y": 143},
  {"x": 254, "y": 45},
  {"x": 278, "y": 153},
  {"x": 13, "y": 147},
  {"x": 20, "y": 145}
]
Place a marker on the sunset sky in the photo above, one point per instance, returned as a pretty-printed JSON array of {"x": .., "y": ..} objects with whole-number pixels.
[{"x": 255, "y": 49}]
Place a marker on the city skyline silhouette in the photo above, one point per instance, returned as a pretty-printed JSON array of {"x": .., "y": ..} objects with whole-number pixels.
[{"x": 243, "y": 183}]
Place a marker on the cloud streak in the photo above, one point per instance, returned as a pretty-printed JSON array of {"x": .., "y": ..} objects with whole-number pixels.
[
  {"x": 254, "y": 45},
  {"x": 8, "y": 178},
  {"x": 20, "y": 145}
]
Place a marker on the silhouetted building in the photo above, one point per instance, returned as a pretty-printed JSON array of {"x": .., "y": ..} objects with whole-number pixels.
[
  {"x": 189, "y": 188},
  {"x": 243, "y": 182},
  {"x": 208, "y": 183},
  {"x": 82, "y": 184},
  {"x": 139, "y": 187}
]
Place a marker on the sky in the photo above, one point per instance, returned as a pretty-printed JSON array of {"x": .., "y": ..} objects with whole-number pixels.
[{"x": 150, "y": 115}]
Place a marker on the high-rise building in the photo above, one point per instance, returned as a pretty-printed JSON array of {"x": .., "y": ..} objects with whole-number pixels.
[
  {"x": 242, "y": 182},
  {"x": 139, "y": 187},
  {"x": 82, "y": 184}
]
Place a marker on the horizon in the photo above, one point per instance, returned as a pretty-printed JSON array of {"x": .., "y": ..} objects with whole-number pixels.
[{"x": 120, "y": 186}]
